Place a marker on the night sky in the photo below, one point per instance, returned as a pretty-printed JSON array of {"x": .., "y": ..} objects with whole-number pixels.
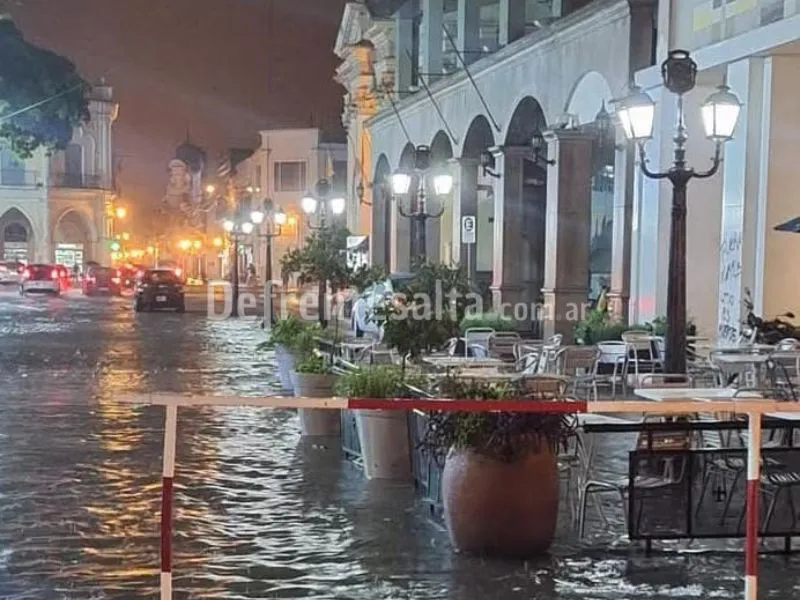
[{"x": 197, "y": 64}]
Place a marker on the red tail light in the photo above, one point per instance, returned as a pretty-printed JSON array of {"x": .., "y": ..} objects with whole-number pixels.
[
  {"x": 178, "y": 272},
  {"x": 54, "y": 274}
]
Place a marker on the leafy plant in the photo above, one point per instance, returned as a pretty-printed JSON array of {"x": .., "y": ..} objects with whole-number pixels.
[
  {"x": 42, "y": 97},
  {"x": 504, "y": 436},
  {"x": 426, "y": 311},
  {"x": 293, "y": 333},
  {"x": 381, "y": 381},
  {"x": 492, "y": 320},
  {"x": 315, "y": 363},
  {"x": 600, "y": 326}
]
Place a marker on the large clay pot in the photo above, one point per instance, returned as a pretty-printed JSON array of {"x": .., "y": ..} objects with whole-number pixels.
[
  {"x": 500, "y": 509},
  {"x": 383, "y": 435},
  {"x": 286, "y": 362},
  {"x": 316, "y": 421}
]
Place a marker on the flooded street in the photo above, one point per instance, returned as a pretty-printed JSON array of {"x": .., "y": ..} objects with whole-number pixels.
[{"x": 259, "y": 513}]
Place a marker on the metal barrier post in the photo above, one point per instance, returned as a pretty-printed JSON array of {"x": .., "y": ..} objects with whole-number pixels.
[
  {"x": 753, "y": 493},
  {"x": 170, "y": 435}
]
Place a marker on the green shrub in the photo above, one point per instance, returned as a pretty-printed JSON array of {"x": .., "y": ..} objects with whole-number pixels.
[
  {"x": 489, "y": 319},
  {"x": 294, "y": 334},
  {"x": 315, "y": 363}
]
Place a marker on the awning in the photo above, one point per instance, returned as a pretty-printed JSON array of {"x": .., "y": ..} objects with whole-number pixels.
[{"x": 792, "y": 226}]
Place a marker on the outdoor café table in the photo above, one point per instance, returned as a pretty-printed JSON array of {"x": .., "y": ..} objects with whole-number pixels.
[
  {"x": 677, "y": 394},
  {"x": 462, "y": 362},
  {"x": 352, "y": 350}
]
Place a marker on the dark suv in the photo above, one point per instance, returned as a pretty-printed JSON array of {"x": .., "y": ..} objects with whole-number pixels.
[{"x": 159, "y": 289}]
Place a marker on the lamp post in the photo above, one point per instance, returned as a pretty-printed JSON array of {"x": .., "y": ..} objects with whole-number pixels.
[
  {"x": 321, "y": 202},
  {"x": 236, "y": 228},
  {"x": 720, "y": 112},
  {"x": 416, "y": 184},
  {"x": 275, "y": 218}
]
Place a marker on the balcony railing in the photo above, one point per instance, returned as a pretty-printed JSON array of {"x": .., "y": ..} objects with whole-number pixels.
[
  {"x": 19, "y": 178},
  {"x": 76, "y": 180}
]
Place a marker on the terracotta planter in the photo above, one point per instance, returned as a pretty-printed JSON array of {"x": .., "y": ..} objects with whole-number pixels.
[
  {"x": 500, "y": 509},
  {"x": 286, "y": 362},
  {"x": 383, "y": 436},
  {"x": 316, "y": 421}
]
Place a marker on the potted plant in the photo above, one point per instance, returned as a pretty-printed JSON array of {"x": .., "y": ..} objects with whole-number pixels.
[
  {"x": 284, "y": 338},
  {"x": 500, "y": 484},
  {"x": 312, "y": 377},
  {"x": 383, "y": 434}
]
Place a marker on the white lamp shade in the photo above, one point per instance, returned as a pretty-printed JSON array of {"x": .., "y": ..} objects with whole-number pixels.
[
  {"x": 257, "y": 217},
  {"x": 720, "y": 114},
  {"x": 442, "y": 184},
  {"x": 227, "y": 225},
  {"x": 637, "y": 114},
  {"x": 279, "y": 216},
  {"x": 247, "y": 228},
  {"x": 337, "y": 205},
  {"x": 309, "y": 204},
  {"x": 401, "y": 183}
]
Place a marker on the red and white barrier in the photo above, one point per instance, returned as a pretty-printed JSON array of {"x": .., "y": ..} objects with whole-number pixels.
[{"x": 753, "y": 407}]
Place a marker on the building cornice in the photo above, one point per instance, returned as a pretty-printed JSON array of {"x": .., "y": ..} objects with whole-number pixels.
[
  {"x": 562, "y": 32},
  {"x": 355, "y": 21}
]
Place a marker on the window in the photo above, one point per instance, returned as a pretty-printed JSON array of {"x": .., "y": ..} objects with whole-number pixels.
[
  {"x": 290, "y": 176},
  {"x": 13, "y": 170},
  {"x": 73, "y": 165}
]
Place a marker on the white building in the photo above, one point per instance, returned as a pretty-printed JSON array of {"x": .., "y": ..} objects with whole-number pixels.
[
  {"x": 549, "y": 221},
  {"x": 753, "y": 46},
  {"x": 59, "y": 208},
  {"x": 287, "y": 164}
]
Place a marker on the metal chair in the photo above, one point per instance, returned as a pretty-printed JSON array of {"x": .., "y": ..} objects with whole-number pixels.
[
  {"x": 501, "y": 344},
  {"x": 579, "y": 363},
  {"x": 613, "y": 354}
]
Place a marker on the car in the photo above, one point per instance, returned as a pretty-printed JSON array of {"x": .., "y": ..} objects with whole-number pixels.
[
  {"x": 40, "y": 278},
  {"x": 159, "y": 289},
  {"x": 11, "y": 272},
  {"x": 101, "y": 280}
]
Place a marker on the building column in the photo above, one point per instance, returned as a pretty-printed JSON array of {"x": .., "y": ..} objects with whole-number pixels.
[
  {"x": 400, "y": 261},
  {"x": 431, "y": 37},
  {"x": 508, "y": 286},
  {"x": 404, "y": 46},
  {"x": 511, "y": 21},
  {"x": 738, "y": 183},
  {"x": 619, "y": 294},
  {"x": 469, "y": 26},
  {"x": 569, "y": 201}
]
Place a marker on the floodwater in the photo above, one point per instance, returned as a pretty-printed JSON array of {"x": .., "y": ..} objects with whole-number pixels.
[{"x": 259, "y": 513}]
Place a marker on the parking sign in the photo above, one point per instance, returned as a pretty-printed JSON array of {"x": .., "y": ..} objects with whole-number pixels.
[{"x": 468, "y": 229}]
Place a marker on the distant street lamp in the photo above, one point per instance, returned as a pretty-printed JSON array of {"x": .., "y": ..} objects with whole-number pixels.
[
  {"x": 236, "y": 228},
  {"x": 274, "y": 218},
  {"x": 321, "y": 202},
  {"x": 720, "y": 114},
  {"x": 415, "y": 186},
  {"x": 121, "y": 212}
]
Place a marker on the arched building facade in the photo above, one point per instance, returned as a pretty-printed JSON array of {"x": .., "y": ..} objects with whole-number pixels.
[
  {"x": 59, "y": 208},
  {"x": 524, "y": 129}
]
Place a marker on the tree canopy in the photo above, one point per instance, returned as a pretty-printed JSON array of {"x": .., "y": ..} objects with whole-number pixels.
[{"x": 42, "y": 96}]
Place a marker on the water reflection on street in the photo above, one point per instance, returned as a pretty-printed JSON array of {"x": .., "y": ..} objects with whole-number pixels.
[{"x": 259, "y": 512}]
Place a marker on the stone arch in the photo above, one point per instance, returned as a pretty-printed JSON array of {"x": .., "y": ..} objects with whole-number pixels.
[
  {"x": 526, "y": 121},
  {"x": 588, "y": 96},
  {"x": 441, "y": 148},
  {"x": 381, "y": 214},
  {"x": 479, "y": 137},
  {"x": 73, "y": 238},
  {"x": 17, "y": 236},
  {"x": 406, "y": 159}
]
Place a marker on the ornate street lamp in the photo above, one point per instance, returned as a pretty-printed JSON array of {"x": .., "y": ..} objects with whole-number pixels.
[
  {"x": 414, "y": 186},
  {"x": 236, "y": 228},
  {"x": 720, "y": 114},
  {"x": 275, "y": 218},
  {"x": 321, "y": 202}
]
